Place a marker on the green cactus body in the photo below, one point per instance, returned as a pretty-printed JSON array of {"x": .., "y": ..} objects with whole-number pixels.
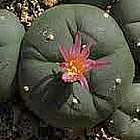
[
  {"x": 99, "y": 3},
  {"x": 69, "y": 105},
  {"x": 126, "y": 120},
  {"x": 127, "y": 14},
  {"x": 11, "y": 33},
  {"x": 127, "y": 10}
]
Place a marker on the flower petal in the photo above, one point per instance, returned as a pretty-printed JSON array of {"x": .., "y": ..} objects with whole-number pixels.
[
  {"x": 71, "y": 52},
  {"x": 90, "y": 64},
  {"x": 63, "y": 65},
  {"x": 96, "y": 64},
  {"x": 85, "y": 52},
  {"x": 64, "y": 53},
  {"x": 77, "y": 44},
  {"x": 102, "y": 63},
  {"x": 84, "y": 83},
  {"x": 68, "y": 78}
]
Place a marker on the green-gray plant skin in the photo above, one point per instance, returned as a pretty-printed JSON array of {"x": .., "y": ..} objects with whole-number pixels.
[
  {"x": 127, "y": 14},
  {"x": 125, "y": 121},
  {"x": 127, "y": 118},
  {"x": 11, "y": 33},
  {"x": 47, "y": 95}
]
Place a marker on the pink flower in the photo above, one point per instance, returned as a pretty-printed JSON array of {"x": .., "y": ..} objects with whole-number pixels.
[{"x": 77, "y": 64}]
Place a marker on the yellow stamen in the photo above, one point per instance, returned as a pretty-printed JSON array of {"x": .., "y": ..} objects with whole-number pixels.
[{"x": 76, "y": 66}]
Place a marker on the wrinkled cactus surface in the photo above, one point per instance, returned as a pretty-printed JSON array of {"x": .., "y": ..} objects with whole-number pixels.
[
  {"x": 11, "y": 33},
  {"x": 127, "y": 13},
  {"x": 126, "y": 120},
  {"x": 69, "y": 105}
]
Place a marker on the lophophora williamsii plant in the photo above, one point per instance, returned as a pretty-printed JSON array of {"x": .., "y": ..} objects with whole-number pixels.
[
  {"x": 75, "y": 66},
  {"x": 127, "y": 14},
  {"x": 127, "y": 119},
  {"x": 11, "y": 33}
]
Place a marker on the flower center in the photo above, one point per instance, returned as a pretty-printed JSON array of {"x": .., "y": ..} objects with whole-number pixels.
[{"x": 76, "y": 67}]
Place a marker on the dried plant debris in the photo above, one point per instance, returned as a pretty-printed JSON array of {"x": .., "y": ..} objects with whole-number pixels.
[
  {"x": 50, "y": 3},
  {"x": 17, "y": 123},
  {"x": 27, "y": 10},
  {"x": 99, "y": 133},
  {"x": 7, "y": 128}
]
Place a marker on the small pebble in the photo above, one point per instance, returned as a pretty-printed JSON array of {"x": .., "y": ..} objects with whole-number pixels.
[
  {"x": 75, "y": 101},
  {"x": 106, "y": 15},
  {"x": 138, "y": 44},
  {"x": 50, "y": 37},
  {"x": 137, "y": 110},
  {"x": 118, "y": 81},
  {"x": 84, "y": 45},
  {"x": 26, "y": 88}
]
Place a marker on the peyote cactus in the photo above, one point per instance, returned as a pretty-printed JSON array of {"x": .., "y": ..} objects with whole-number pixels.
[
  {"x": 127, "y": 13},
  {"x": 40, "y": 75},
  {"x": 126, "y": 120},
  {"x": 11, "y": 33}
]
